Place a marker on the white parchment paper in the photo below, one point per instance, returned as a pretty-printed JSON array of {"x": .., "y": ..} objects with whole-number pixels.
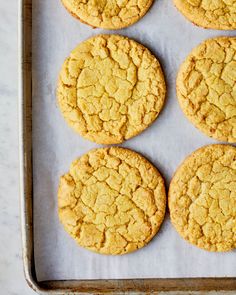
[{"x": 166, "y": 143}]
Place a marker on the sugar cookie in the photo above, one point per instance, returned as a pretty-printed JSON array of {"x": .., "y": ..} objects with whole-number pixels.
[
  {"x": 112, "y": 201},
  {"x": 108, "y": 14},
  {"x": 202, "y": 198},
  {"x": 220, "y": 14},
  {"x": 206, "y": 88},
  {"x": 110, "y": 89}
]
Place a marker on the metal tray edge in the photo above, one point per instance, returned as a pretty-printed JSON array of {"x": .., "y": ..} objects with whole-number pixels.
[{"x": 25, "y": 201}]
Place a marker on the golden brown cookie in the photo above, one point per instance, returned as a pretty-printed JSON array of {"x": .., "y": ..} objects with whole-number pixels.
[
  {"x": 110, "y": 89},
  {"x": 108, "y": 14},
  {"x": 219, "y": 14},
  {"x": 112, "y": 201},
  {"x": 206, "y": 88},
  {"x": 202, "y": 198}
]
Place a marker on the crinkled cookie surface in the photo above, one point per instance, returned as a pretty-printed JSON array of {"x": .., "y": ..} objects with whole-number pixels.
[
  {"x": 108, "y": 14},
  {"x": 211, "y": 14},
  {"x": 110, "y": 89},
  {"x": 112, "y": 201},
  {"x": 202, "y": 198},
  {"x": 206, "y": 88}
]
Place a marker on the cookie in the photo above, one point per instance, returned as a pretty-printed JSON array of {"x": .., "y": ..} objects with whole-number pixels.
[
  {"x": 112, "y": 201},
  {"x": 202, "y": 198},
  {"x": 206, "y": 88},
  {"x": 108, "y": 14},
  {"x": 219, "y": 15},
  {"x": 110, "y": 89}
]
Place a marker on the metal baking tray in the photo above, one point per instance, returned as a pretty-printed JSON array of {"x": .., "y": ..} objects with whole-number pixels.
[{"x": 136, "y": 286}]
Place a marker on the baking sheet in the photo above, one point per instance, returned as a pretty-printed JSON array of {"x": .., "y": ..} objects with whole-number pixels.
[{"x": 166, "y": 143}]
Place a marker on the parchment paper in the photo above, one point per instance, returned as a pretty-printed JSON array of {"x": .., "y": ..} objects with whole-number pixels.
[{"x": 166, "y": 143}]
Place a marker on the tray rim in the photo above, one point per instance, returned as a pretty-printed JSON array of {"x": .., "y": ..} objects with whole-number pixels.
[{"x": 136, "y": 286}]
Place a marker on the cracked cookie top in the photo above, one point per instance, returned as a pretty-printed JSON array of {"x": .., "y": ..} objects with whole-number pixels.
[
  {"x": 219, "y": 14},
  {"x": 112, "y": 201},
  {"x": 206, "y": 88},
  {"x": 110, "y": 89},
  {"x": 108, "y": 14},
  {"x": 202, "y": 198}
]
